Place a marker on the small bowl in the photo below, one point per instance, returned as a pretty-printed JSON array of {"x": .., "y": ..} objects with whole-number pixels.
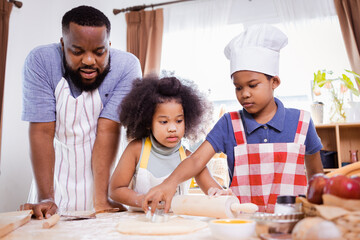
[
  {"x": 232, "y": 229},
  {"x": 276, "y": 223}
]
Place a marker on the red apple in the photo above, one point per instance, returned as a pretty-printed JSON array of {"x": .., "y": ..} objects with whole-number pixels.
[
  {"x": 342, "y": 186},
  {"x": 316, "y": 188},
  {"x": 357, "y": 178}
]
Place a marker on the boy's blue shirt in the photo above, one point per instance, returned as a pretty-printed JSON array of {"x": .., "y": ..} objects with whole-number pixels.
[{"x": 281, "y": 128}]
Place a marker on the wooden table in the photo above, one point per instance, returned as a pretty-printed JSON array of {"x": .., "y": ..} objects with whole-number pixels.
[{"x": 102, "y": 227}]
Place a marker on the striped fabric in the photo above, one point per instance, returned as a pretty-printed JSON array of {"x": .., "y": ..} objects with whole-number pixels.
[
  {"x": 75, "y": 134},
  {"x": 265, "y": 170}
]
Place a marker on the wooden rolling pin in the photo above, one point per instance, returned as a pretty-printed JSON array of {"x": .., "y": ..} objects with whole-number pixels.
[
  {"x": 51, "y": 221},
  {"x": 205, "y": 206},
  {"x": 348, "y": 170},
  {"x": 9, "y": 221}
]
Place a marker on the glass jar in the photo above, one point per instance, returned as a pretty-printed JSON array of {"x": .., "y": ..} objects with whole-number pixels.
[
  {"x": 285, "y": 204},
  {"x": 354, "y": 156}
]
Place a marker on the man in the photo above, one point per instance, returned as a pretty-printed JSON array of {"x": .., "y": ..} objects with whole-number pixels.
[{"x": 71, "y": 94}]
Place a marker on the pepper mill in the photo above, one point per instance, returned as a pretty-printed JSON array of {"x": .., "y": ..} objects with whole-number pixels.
[{"x": 354, "y": 156}]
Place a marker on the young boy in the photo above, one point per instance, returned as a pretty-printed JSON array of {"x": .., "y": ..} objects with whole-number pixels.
[{"x": 266, "y": 144}]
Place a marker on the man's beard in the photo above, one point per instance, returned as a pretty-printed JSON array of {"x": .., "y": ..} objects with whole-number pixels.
[{"x": 76, "y": 78}]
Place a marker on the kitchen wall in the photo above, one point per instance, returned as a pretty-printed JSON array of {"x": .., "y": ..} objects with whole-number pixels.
[{"x": 37, "y": 22}]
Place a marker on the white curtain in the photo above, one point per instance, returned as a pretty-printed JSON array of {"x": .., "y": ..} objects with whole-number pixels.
[
  {"x": 193, "y": 42},
  {"x": 196, "y": 33},
  {"x": 315, "y": 43},
  {"x": 295, "y": 11},
  {"x": 196, "y": 15}
]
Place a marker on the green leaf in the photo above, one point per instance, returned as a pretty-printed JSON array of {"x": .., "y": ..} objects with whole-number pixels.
[
  {"x": 323, "y": 76},
  {"x": 320, "y": 79},
  {"x": 358, "y": 81},
  {"x": 347, "y": 81},
  {"x": 314, "y": 82},
  {"x": 349, "y": 84},
  {"x": 352, "y": 72}
]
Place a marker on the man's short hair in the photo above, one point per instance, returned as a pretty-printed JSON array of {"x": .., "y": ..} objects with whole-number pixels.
[{"x": 85, "y": 16}]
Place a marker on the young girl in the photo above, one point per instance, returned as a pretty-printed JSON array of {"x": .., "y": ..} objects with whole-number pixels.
[
  {"x": 158, "y": 113},
  {"x": 266, "y": 144}
]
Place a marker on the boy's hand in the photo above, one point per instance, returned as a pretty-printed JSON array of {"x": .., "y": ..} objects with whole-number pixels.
[
  {"x": 218, "y": 192},
  {"x": 43, "y": 209}
]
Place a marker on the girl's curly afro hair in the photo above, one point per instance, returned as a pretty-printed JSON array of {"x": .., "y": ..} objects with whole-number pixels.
[{"x": 138, "y": 107}]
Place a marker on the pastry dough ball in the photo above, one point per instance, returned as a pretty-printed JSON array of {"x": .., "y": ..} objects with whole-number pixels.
[{"x": 315, "y": 228}]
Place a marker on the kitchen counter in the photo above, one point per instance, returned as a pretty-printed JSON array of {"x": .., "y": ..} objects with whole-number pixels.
[{"x": 102, "y": 227}]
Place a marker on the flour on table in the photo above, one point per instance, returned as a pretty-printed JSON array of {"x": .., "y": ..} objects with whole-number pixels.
[{"x": 175, "y": 225}]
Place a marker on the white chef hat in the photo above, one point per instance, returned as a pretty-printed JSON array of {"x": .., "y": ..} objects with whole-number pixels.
[{"x": 256, "y": 49}]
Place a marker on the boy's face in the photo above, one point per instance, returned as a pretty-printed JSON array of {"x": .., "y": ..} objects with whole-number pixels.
[{"x": 255, "y": 93}]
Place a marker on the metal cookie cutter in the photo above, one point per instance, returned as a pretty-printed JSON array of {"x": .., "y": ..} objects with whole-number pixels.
[{"x": 159, "y": 215}]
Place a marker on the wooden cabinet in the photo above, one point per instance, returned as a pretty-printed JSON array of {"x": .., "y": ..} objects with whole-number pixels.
[{"x": 341, "y": 138}]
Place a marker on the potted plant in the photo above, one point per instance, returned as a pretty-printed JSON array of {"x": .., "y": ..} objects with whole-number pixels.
[{"x": 337, "y": 88}]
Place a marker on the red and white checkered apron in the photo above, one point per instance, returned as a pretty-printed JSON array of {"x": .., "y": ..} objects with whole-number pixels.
[{"x": 265, "y": 170}]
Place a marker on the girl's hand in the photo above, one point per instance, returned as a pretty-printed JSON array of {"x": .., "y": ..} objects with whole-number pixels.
[
  {"x": 219, "y": 192},
  {"x": 109, "y": 205},
  {"x": 139, "y": 199},
  {"x": 163, "y": 192}
]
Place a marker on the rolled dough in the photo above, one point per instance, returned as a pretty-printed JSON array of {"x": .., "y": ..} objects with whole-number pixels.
[{"x": 175, "y": 226}]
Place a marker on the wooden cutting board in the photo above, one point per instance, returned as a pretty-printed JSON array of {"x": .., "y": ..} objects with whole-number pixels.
[{"x": 9, "y": 221}]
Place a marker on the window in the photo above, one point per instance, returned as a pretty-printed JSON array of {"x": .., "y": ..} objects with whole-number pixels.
[{"x": 314, "y": 44}]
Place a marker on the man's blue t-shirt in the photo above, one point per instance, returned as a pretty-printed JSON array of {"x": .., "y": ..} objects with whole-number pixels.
[
  {"x": 44, "y": 69},
  {"x": 281, "y": 128}
]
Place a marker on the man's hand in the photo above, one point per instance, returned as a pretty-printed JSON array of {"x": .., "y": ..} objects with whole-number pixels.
[
  {"x": 163, "y": 192},
  {"x": 43, "y": 209}
]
